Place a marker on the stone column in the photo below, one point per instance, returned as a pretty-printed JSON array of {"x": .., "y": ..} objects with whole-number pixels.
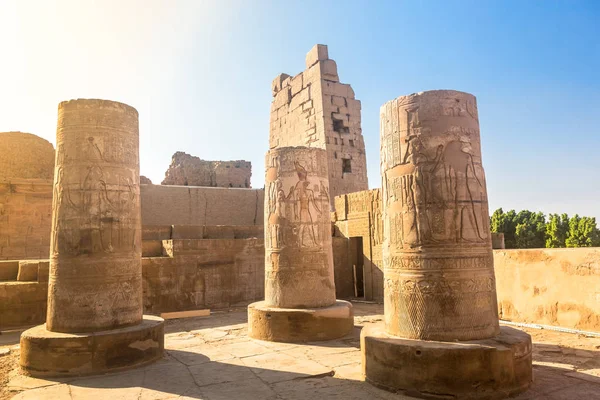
[
  {"x": 437, "y": 256},
  {"x": 298, "y": 252},
  {"x": 95, "y": 249},
  {"x": 437, "y": 253},
  {"x": 300, "y": 302},
  {"x": 95, "y": 283}
]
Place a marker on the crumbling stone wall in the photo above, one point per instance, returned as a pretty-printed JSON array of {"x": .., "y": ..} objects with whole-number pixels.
[
  {"x": 188, "y": 170},
  {"x": 25, "y": 156},
  {"x": 314, "y": 109}
]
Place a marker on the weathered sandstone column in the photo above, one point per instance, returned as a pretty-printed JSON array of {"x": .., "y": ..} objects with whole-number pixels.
[
  {"x": 95, "y": 250},
  {"x": 438, "y": 264},
  {"x": 95, "y": 283},
  {"x": 300, "y": 302},
  {"x": 298, "y": 252}
]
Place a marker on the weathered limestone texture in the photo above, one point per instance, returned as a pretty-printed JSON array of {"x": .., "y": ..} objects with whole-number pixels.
[
  {"x": 95, "y": 280},
  {"x": 187, "y": 170},
  {"x": 314, "y": 109},
  {"x": 145, "y": 181},
  {"x": 25, "y": 156},
  {"x": 437, "y": 255},
  {"x": 299, "y": 279}
]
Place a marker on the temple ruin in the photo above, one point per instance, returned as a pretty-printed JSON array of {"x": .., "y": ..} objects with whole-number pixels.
[
  {"x": 95, "y": 314},
  {"x": 187, "y": 170},
  {"x": 315, "y": 109},
  {"x": 439, "y": 285},
  {"x": 318, "y": 285},
  {"x": 300, "y": 300}
]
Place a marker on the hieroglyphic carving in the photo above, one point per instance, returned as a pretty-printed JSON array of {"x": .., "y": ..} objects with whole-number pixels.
[
  {"x": 298, "y": 259},
  {"x": 435, "y": 218},
  {"x": 95, "y": 276}
]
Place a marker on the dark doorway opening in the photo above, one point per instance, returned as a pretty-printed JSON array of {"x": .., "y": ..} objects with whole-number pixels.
[{"x": 357, "y": 262}]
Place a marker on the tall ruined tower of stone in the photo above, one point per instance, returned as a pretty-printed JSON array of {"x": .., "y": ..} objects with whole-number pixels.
[{"x": 314, "y": 109}]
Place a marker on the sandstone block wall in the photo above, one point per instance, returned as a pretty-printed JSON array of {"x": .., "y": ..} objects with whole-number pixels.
[
  {"x": 314, "y": 109},
  {"x": 549, "y": 286},
  {"x": 26, "y": 212},
  {"x": 358, "y": 215},
  {"x": 175, "y": 205},
  {"x": 25, "y": 218},
  {"x": 188, "y": 170},
  {"x": 25, "y": 156},
  {"x": 206, "y": 273},
  {"x": 217, "y": 268}
]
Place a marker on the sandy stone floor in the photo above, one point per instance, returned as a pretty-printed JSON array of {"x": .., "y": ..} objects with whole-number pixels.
[{"x": 212, "y": 358}]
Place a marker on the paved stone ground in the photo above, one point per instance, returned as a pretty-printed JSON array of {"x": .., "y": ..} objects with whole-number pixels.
[{"x": 212, "y": 358}]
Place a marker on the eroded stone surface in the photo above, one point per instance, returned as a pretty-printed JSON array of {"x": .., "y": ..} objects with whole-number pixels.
[
  {"x": 314, "y": 109},
  {"x": 298, "y": 251},
  {"x": 299, "y": 325},
  {"x": 437, "y": 254},
  {"x": 188, "y": 170},
  {"x": 95, "y": 278}
]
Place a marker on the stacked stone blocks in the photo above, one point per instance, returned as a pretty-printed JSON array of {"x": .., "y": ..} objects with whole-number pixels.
[{"x": 315, "y": 109}]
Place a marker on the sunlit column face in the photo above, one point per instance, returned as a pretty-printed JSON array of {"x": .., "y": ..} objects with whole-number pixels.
[{"x": 439, "y": 277}]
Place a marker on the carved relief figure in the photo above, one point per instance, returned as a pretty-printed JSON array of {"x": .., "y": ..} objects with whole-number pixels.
[
  {"x": 276, "y": 201},
  {"x": 458, "y": 162},
  {"x": 303, "y": 197}
]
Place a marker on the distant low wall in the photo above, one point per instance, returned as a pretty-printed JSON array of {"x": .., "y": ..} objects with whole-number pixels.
[
  {"x": 195, "y": 205},
  {"x": 550, "y": 286}
]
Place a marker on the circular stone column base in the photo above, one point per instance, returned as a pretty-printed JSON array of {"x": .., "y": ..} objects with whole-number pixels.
[
  {"x": 479, "y": 369},
  {"x": 54, "y": 354},
  {"x": 294, "y": 325}
]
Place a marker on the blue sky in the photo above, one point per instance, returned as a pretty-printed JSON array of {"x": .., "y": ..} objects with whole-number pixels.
[{"x": 199, "y": 73}]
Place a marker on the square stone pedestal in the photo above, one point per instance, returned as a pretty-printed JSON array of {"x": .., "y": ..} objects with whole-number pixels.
[
  {"x": 54, "y": 354},
  {"x": 479, "y": 369},
  {"x": 299, "y": 325}
]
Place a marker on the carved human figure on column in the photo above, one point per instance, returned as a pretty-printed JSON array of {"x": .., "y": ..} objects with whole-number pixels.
[{"x": 303, "y": 197}]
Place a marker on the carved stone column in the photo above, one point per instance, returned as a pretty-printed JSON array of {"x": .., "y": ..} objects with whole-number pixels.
[
  {"x": 438, "y": 262},
  {"x": 95, "y": 250},
  {"x": 298, "y": 252},
  {"x": 95, "y": 284},
  {"x": 300, "y": 299},
  {"x": 437, "y": 253}
]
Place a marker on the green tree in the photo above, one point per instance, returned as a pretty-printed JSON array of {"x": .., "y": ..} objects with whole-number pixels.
[
  {"x": 583, "y": 232},
  {"x": 502, "y": 222},
  {"x": 530, "y": 230},
  {"x": 557, "y": 230}
]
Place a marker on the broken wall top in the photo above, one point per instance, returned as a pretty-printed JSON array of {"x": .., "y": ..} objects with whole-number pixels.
[{"x": 188, "y": 170}]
